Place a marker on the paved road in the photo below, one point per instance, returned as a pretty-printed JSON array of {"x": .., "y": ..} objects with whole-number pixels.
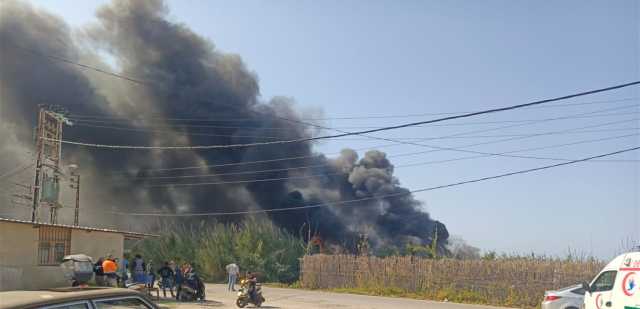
[{"x": 219, "y": 297}]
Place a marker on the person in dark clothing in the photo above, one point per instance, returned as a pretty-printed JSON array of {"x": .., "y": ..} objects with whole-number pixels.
[
  {"x": 99, "y": 272},
  {"x": 253, "y": 281},
  {"x": 138, "y": 269},
  {"x": 178, "y": 280},
  {"x": 166, "y": 279}
]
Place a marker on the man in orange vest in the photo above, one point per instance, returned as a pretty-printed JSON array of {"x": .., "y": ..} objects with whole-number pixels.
[{"x": 110, "y": 268}]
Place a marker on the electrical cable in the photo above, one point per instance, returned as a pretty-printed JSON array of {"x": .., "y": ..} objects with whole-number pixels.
[
  {"x": 390, "y": 156},
  {"x": 390, "y": 145},
  {"x": 363, "y": 132},
  {"x": 152, "y": 128},
  {"x": 345, "y": 133},
  {"x": 11, "y": 173},
  {"x": 397, "y": 166},
  {"x": 404, "y": 193},
  {"x": 80, "y": 117}
]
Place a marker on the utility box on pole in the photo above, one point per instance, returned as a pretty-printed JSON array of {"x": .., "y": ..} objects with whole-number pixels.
[{"x": 46, "y": 190}]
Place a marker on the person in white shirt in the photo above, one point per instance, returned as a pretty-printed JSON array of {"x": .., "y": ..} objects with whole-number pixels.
[{"x": 233, "y": 270}]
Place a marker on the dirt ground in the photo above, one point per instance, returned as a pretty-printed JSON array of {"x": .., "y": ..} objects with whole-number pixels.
[{"x": 219, "y": 297}]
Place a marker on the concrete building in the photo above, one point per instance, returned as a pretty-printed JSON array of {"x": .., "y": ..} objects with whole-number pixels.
[{"x": 30, "y": 253}]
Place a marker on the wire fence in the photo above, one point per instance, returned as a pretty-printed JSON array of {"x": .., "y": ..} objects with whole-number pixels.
[{"x": 517, "y": 282}]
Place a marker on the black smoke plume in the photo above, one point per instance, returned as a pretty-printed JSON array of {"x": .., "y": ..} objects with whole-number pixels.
[{"x": 185, "y": 76}]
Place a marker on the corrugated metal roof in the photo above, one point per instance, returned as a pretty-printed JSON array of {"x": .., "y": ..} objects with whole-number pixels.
[{"x": 86, "y": 228}]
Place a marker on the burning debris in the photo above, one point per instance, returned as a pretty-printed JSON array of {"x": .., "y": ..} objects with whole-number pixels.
[{"x": 186, "y": 77}]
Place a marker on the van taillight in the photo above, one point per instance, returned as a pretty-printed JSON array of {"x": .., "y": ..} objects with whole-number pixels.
[{"x": 551, "y": 297}]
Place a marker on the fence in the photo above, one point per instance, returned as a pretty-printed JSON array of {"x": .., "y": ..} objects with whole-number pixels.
[{"x": 515, "y": 282}]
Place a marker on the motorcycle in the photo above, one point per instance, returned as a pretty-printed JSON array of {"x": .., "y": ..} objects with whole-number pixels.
[
  {"x": 191, "y": 289},
  {"x": 244, "y": 298}
]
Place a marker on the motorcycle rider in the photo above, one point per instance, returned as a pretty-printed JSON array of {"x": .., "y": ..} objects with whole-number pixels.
[
  {"x": 192, "y": 287},
  {"x": 252, "y": 281}
]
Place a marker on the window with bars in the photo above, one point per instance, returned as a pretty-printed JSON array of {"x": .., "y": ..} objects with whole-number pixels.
[{"x": 53, "y": 244}]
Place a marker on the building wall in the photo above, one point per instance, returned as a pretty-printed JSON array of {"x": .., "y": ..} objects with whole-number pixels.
[
  {"x": 18, "y": 249},
  {"x": 97, "y": 244},
  {"x": 19, "y": 269}
]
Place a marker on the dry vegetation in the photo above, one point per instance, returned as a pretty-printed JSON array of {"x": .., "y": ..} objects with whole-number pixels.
[{"x": 507, "y": 281}]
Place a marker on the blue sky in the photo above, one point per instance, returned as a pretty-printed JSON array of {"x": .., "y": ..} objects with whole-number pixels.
[{"x": 355, "y": 58}]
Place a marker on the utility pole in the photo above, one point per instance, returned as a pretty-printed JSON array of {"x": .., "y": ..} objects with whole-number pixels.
[
  {"x": 75, "y": 184},
  {"x": 36, "y": 184},
  {"x": 49, "y": 152},
  {"x": 76, "y": 219}
]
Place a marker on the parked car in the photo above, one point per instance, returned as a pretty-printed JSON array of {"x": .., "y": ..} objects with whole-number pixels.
[
  {"x": 76, "y": 298},
  {"x": 567, "y": 298},
  {"x": 617, "y": 285}
]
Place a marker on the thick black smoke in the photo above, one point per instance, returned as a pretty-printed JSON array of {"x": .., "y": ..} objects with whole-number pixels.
[{"x": 185, "y": 76}]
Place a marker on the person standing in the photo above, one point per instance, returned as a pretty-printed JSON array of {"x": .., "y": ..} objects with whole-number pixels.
[
  {"x": 123, "y": 267},
  {"x": 166, "y": 279},
  {"x": 179, "y": 280},
  {"x": 99, "y": 273},
  {"x": 151, "y": 275},
  {"x": 232, "y": 270},
  {"x": 138, "y": 269},
  {"x": 110, "y": 268}
]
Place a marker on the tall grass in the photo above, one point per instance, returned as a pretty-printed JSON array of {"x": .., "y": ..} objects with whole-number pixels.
[{"x": 255, "y": 245}]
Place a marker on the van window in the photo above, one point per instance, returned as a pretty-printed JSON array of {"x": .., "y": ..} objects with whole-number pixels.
[{"x": 605, "y": 281}]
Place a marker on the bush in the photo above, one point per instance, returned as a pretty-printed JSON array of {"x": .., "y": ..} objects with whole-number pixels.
[{"x": 255, "y": 245}]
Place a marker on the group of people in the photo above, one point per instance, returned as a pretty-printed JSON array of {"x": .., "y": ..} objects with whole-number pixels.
[
  {"x": 110, "y": 271},
  {"x": 113, "y": 272},
  {"x": 174, "y": 275}
]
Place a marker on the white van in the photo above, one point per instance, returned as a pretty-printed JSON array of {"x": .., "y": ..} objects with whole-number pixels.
[{"x": 616, "y": 286}]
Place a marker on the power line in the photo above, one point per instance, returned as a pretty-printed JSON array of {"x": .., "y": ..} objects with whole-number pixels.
[
  {"x": 524, "y": 137},
  {"x": 321, "y": 137},
  {"x": 169, "y": 131},
  {"x": 80, "y": 117},
  {"x": 84, "y": 66},
  {"x": 400, "y": 155},
  {"x": 347, "y": 202},
  {"x": 342, "y": 139},
  {"x": 397, "y": 166},
  {"x": 16, "y": 171},
  {"x": 465, "y": 115},
  {"x": 400, "y": 143},
  {"x": 152, "y": 128},
  {"x": 244, "y": 145}
]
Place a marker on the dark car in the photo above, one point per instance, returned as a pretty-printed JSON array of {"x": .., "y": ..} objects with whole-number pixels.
[{"x": 76, "y": 298}]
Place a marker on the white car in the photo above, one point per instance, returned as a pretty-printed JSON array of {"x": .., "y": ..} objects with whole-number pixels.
[
  {"x": 570, "y": 297},
  {"x": 617, "y": 285}
]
